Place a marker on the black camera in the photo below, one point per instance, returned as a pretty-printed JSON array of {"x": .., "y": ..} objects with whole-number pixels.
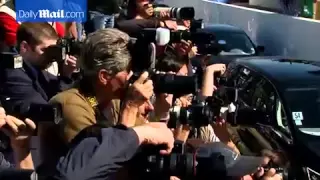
[
  {"x": 195, "y": 37},
  {"x": 206, "y": 42},
  {"x": 203, "y": 113},
  {"x": 208, "y": 161},
  {"x": 69, "y": 46},
  {"x": 35, "y": 112},
  {"x": 171, "y": 83},
  {"x": 186, "y": 13},
  {"x": 64, "y": 47}
]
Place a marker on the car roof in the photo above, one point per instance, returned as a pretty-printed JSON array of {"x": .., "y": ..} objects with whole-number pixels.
[
  {"x": 211, "y": 28},
  {"x": 288, "y": 73}
]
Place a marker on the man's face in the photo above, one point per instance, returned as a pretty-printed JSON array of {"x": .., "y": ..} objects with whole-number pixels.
[
  {"x": 36, "y": 54},
  {"x": 144, "y": 8},
  {"x": 114, "y": 86}
]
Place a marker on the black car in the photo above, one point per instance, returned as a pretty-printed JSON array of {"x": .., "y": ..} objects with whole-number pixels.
[
  {"x": 282, "y": 96},
  {"x": 234, "y": 43}
]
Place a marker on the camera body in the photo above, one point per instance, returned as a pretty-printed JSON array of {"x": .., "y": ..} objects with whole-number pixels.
[
  {"x": 68, "y": 46},
  {"x": 35, "y": 112}
]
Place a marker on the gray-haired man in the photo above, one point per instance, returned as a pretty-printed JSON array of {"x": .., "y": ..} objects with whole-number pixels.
[{"x": 104, "y": 62}]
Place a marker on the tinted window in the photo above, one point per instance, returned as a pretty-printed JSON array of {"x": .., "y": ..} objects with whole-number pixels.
[
  {"x": 258, "y": 93},
  {"x": 304, "y": 106},
  {"x": 235, "y": 41}
]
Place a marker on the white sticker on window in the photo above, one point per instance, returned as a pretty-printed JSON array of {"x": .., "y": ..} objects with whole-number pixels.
[
  {"x": 298, "y": 123},
  {"x": 297, "y": 116}
]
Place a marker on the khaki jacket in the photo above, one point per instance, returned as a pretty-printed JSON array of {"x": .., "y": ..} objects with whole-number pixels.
[{"x": 78, "y": 113}]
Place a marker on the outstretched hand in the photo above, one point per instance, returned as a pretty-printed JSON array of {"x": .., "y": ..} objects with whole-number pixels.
[
  {"x": 155, "y": 133},
  {"x": 140, "y": 91}
]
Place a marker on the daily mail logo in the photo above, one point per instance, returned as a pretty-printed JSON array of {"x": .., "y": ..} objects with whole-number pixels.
[{"x": 45, "y": 13}]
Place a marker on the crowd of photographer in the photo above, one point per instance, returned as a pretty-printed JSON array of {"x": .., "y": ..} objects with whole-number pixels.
[{"x": 135, "y": 94}]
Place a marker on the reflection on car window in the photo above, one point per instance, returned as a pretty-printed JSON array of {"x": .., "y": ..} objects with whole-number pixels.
[
  {"x": 256, "y": 92},
  {"x": 237, "y": 43},
  {"x": 282, "y": 119}
]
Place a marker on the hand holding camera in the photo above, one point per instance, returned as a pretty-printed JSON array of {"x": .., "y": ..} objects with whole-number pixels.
[
  {"x": 183, "y": 48},
  {"x": 19, "y": 131},
  {"x": 140, "y": 91},
  {"x": 69, "y": 66},
  {"x": 208, "y": 77},
  {"x": 170, "y": 24},
  {"x": 221, "y": 131}
]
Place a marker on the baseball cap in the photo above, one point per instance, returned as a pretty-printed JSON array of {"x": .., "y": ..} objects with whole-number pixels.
[{"x": 220, "y": 160}]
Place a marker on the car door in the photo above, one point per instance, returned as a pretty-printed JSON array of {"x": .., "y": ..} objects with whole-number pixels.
[{"x": 257, "y": 93}]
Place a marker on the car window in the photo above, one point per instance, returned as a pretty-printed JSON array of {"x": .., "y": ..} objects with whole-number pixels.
[
  {"x": 258, "y": 93},
  {"x": 235, "y": 42}
]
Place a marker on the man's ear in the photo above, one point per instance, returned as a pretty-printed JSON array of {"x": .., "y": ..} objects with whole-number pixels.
[
  {"x": 23, "y": 47},
  {"x": 103, "y": 76}
]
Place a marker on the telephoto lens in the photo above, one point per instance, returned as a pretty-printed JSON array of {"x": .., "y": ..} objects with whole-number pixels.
[
  {"x": 186, "y": 13},
  {"x": 196, "y": 115},
  {"x": 171, "y": 83},
  {"x": 210, "y": 161}
]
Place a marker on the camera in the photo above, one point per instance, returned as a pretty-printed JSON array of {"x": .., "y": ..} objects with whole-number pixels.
[
  {"x": 163, "y": 36},
  {"x": 208, "y": 161},
  {"x": 186, "y": 13},
  {"x": 35, "y": 112},
  {"x": 171, "y": 83},
  {"x": 196, "y": 37},
  {"x": 69, "y": 46},
  {"x": 65, "y": 46},
  {"x": 206, "y": 42},
  {"x": 203, "y": 113}
]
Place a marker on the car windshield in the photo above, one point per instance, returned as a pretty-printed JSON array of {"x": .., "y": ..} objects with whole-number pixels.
[
  {"x": 304, "y": 107},
  {"x": 235, "y": 43}
]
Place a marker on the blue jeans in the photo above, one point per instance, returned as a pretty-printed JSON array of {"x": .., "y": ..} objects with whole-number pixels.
[
  {"x": 80, "y": 30},
  {"x": 98, "y": 21}
]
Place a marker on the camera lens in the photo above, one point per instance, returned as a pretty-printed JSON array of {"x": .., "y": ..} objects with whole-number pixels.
[{"x": 186, "y": 13}]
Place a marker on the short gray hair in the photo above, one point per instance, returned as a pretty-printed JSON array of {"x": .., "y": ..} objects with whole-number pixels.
[{"x": 105, "y": 49}]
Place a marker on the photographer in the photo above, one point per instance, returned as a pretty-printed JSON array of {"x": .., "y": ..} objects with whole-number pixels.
[
  {"x": 20, "y": 133},
  {"x": 106, "y": 154},
  {"x": 95, "y": 159},
  {"x": 171, "y": 63},
  {"x": 95, "y": 99},
  {"x": 140, "y": 16},
  {"x": 31, "y": 84}
]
